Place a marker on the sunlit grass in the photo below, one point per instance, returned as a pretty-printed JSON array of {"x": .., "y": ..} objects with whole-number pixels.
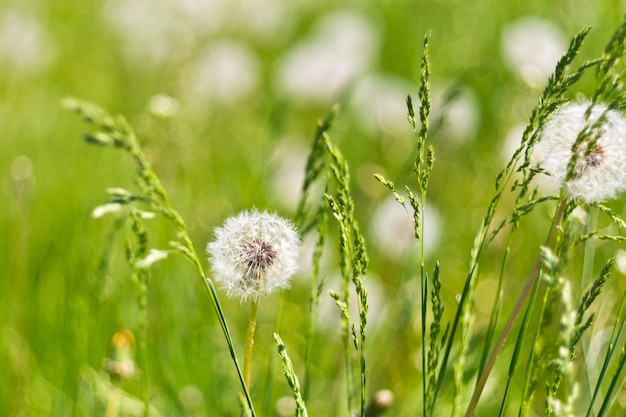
[{"x": 68, "y": 288}]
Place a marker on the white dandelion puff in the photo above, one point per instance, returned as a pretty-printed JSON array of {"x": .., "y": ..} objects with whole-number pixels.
[
  {"x": 598, "y": 174},
  {"x": 254, "y": 253}
]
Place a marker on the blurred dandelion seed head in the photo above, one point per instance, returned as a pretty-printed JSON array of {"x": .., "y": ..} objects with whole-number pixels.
[
  {"x": 226, "y": 72},
  {"x": 254, "y": 253},
  {"x": 379, "y": 103},
  {"x": 25, "y": 46},
  {"x": 620, "y": 261},
  {"x": 341, "y": 48},
  {"x": 164, "y": 106},
  {"x": 531, "y": 48},
  {"x": 459, "y": 111},
  {"x": 393, "y": 229},
  {"x": 288, "y": 162},
  {"x": 599, "y": 172}
]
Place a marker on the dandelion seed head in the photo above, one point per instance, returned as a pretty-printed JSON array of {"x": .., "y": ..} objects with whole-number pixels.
[
  {"x": 254, "y": 254},
  {"x": 598, "y": 173}
]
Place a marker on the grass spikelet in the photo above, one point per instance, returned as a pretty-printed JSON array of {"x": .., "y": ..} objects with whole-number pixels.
[
  {"x": 353, "y": 263},
  {"x": 292, "y": 378}
]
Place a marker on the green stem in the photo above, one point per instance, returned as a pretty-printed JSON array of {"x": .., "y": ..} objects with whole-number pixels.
[
  {"x": 229, "y": 340},
  {"x": 530, "y": 282},
  {"x": 496, "y": 310},
  {"x": 616, "y": 335},
  {"x": 247, "y": 362},
  {"x": 589, "y": 373},
  {"x": 424, "y": 309},
  {"x": 143, "y": 341}
]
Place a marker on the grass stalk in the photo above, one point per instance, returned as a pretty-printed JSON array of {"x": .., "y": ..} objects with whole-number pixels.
[
  {"x": 526, "y": 291},
  {"x": 496, "y": 310},
  {"x": 616, "y": 383},
  {"x": 616, "y": 335}
]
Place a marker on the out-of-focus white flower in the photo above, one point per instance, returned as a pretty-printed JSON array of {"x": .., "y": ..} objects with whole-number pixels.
[
  {"x": 267, "y": 20},
  {"x": 25, "y": 47},
  {"x": 319, "y": 68},
  {"x": 288, "y": 165},
  {"x": 145, "y": 28},
  {"x": 164, "y": 106},
  {"x": 226, "y": 72},
  {"x": 191, "y": 399},
  {"x": 329, "y": 315},
  {"x": 393, "y": 232},
  {"x": 255, "y": 253},
  {"x": 512, "y": 141},
  {"x": 532, "y": 47},
  {"x": 379, "y": 102},
  {"x": 201, "y": 16},
  {"x": 598, "y": 175},
  {"x": 285, "y": 406},
  {"x": 459, "y": 111},
  {"x": 155, "y": 32},
  {"x": 620, "y": 261}
]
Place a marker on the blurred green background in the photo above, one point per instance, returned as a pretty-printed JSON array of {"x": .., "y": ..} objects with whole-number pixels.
[{"x": 225, "y": 95}]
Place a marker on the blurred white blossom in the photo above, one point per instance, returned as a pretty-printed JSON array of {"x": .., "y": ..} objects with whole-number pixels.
[
  {"x": 146, "y": 29},
  {"x": 512, "y": 141},
  {"x": 620, "y": 261},
  {"x": 379, "y": 103},
  {"x": 266, "y": 20},
  {"x": 163, "y": 106},
  {"x": 531, "y": 47},
  {"x": 288, "y": 163},
  {"x": 25, "y": 46},
  {"x": 458, "y": 109},
  {"x": 393, "y": 232},
  {"x": 154, "y": 32},
  {"x": 226, "y": 72},
  {"x": 317, "y": 69}
]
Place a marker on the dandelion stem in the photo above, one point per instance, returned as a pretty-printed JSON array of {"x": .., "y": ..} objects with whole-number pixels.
[
  {"x": 208, "y": 283},
  {"x": 530, "y": 283},
  {"x": 247, "y": 362}
]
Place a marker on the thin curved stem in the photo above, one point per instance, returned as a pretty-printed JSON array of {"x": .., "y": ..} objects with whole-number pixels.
[{"x": 530, "y": 282}]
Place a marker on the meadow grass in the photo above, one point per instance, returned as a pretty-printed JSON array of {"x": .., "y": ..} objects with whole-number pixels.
[{"x": 518, "y": 311}]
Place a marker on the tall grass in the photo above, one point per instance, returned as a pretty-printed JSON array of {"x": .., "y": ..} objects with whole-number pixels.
[{"x": 527, "y": 319}]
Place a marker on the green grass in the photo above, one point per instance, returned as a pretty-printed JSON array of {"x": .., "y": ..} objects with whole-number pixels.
[{"x": 66, "y": 287}]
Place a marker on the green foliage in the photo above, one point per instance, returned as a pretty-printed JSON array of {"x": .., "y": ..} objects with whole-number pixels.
[{"x": 433, "y": 327}]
